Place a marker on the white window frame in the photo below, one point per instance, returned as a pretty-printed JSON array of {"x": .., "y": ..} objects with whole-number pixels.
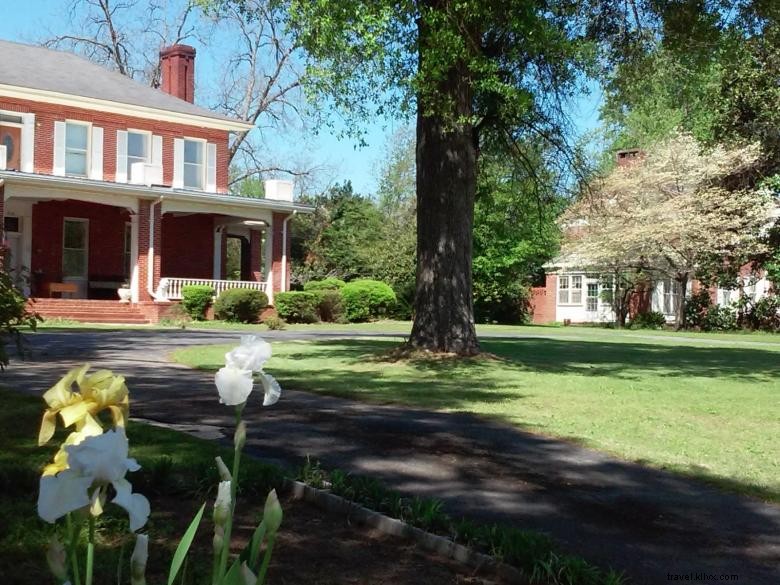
[
  {"x": 671, "y": 297},
  {"x": 87, "y": 151},
  {"x": 84, "y": 221},
  {"x": 148, "y": 141},
  {"x": 204, "y": 146},
  {"x": 569, "y": 294},
  {"x": 127, "y": 251},
  {"x": 595, "y": 298}
]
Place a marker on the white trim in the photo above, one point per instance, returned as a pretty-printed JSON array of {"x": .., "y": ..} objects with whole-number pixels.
[
  {"x": 95, "y": 169},
  {"x": 217, "y": 264},
  {"x": 283, "y": 278},
  {"x": 210, "y": 162},
  {"x": 58, "y": 156},
  {"x": 178, "y": 163},
  {"x": 144, "y": 112},
  {"x": 120, "y": 173},
  {"x": 87, "y": 150},
  {"x": 136, "y": 293},
  {"x": 203, "y": 174},
  {"x": 28, "y": 143}
]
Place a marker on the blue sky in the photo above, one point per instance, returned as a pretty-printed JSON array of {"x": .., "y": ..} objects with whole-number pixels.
[{"x": 31, "y": 20}]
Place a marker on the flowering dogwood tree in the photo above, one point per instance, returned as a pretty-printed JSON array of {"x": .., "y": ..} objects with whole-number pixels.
[{"x": 671, "y": 212}]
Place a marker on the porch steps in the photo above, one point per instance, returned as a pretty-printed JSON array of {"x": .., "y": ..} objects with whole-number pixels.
[{"x": 88, "y": 311}]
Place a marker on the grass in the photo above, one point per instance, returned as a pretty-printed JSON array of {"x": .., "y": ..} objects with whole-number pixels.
[{"x": 706, "y": 408}]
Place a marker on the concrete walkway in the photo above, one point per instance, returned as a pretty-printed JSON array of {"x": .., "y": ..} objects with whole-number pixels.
[{"x": 648, "y": 523}]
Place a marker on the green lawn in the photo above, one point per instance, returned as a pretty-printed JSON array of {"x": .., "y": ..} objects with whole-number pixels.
[{"x": 706, "y": 407}]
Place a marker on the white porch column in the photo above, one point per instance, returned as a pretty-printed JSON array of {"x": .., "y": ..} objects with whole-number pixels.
[
  {"x": 134, "y": 256},
  {"x": 268, "y": 253},
  {"x": 218, "y": 235}
]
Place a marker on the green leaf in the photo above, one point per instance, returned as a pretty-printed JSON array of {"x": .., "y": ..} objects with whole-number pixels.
[
  {"x": 233, "y": 576},
  {"x": 184, "y": 545},
  {"x": 254, "y": 545}
]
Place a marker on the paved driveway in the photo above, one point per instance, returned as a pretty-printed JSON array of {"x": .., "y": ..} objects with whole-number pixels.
[{"x": 648, "y": 523}]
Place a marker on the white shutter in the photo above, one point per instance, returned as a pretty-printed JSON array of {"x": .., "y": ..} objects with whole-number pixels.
[
  {"x": 120, "y": 176},
  {"x": 157, "y": 151},
  {"x": 211, "y": 167},
  {"x": 178, "y": 163},
  {"x": 59, "y": 149},
  {"x": 28, "y": 143},
  {"x": 96, "y": 154}
]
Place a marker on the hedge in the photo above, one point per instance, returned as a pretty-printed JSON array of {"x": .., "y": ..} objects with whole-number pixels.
[
  {"x": 329, "y": 283},
  {"x": 367, "y": 299},
  {"x": 297, "y": 306},
  {"x": 196, "y": 298},
  {"x": 240, "y": 305}
]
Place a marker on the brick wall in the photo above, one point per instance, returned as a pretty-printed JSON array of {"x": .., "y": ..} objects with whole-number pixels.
[
  {"x": 105, "y": 246},
  {"x": 543, "y": 301},
  {"x": 188, "y": 245},
  {"x": 47, "y": 114}
]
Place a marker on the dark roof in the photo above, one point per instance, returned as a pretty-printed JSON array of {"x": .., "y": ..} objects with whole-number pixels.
[{"x": 45, "y": 69}]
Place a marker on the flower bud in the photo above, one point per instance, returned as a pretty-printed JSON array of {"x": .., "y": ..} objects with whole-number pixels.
[
  {"x": 224, "y": 472},
  {"x": 222, "y": 505},
  {"x": 239, "y": 439},
  {"x": 247, "y": 576},
  {"x": 138, "y": 560},
  {"x": 57, "y": 559},
  {"x": 218, "y": 540},
  {"x": 272, "y": 514}
]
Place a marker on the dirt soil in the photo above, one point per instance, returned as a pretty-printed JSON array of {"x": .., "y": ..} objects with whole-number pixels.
[{"x": 314, "y": 547}]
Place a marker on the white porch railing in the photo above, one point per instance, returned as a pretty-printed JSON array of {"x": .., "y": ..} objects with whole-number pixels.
[{"x": 170, "y": 287}]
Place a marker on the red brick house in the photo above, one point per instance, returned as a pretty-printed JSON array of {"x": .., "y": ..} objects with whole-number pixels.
[{"x": 106, "y": 183}]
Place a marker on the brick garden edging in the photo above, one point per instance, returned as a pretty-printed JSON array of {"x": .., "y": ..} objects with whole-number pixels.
[{"x": 393, "y": 527}]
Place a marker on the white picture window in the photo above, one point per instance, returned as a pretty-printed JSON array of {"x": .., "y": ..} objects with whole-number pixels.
[
  {"x": 139, "y": 149},
  {"x": 563, "y": 290},
  {"x": 576, "y": 290},
  {"x": 671, "y": 296},
  {"x": 194, "y": 164},
  {"x": 76, "y": 149},
  {"x": 570, "y": 290},
  {"x": 592, "y": 300}
]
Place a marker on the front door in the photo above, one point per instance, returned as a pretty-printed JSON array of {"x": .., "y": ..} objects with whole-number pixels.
[
  {"x": 75, "y": 254},
  {"x": 11, "y": 138}
]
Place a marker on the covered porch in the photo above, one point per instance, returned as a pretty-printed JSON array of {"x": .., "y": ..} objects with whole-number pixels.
[{"x": 86, "y": 240}]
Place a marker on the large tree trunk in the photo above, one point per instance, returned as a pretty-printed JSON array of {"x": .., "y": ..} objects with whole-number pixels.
[
  {"x": 679, "y": 321},
  {"x": 446, "y": 186}
]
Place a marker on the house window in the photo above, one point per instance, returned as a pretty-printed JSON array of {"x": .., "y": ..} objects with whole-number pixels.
[
  {"x": 194, "y": 167},
  {"x": 576, "y": 290},
  {"x": 671, "y": 295},
  {"x": 74, "y": 248},
  {"x": 570, "y": 290},
  {"x": 76, "y": 149},
  {"x": 138, "y": 149},
  {"x": 128, "y": 248},
  {"x": 592, "y": 300},
  {"x": 563, "y": 290}
]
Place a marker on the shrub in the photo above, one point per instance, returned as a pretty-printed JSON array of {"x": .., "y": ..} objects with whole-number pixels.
[
  {"x": 330, "y": 306},
  {"x": 13, "y": 315},
  {"x": 240, "y": 305},
  {"x": 761, "y": 315},
  {"x": 696, "y": 309},
  {"x": 177, "y": 316},
  {"x": 329, "y": 283},
  {"x": 651, "y": 320},
  {"x": 196, "y": 298},
  {"x": 367, "y": 299},
  {"x": 274, "y": 323},
  {"x": 297, "y": 306},
  {"x": 719, "y": 318}
]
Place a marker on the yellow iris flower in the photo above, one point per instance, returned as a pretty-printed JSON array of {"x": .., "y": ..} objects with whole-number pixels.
[{"x": 99, "y": 391}]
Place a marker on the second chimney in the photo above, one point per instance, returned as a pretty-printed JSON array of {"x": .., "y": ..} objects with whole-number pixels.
[{"x": 177, "y": 67}]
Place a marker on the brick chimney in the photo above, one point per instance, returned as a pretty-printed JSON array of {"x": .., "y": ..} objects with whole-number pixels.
[
  {"x": 626, "y": 158},
  {"x": 177, "y": 65}
]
